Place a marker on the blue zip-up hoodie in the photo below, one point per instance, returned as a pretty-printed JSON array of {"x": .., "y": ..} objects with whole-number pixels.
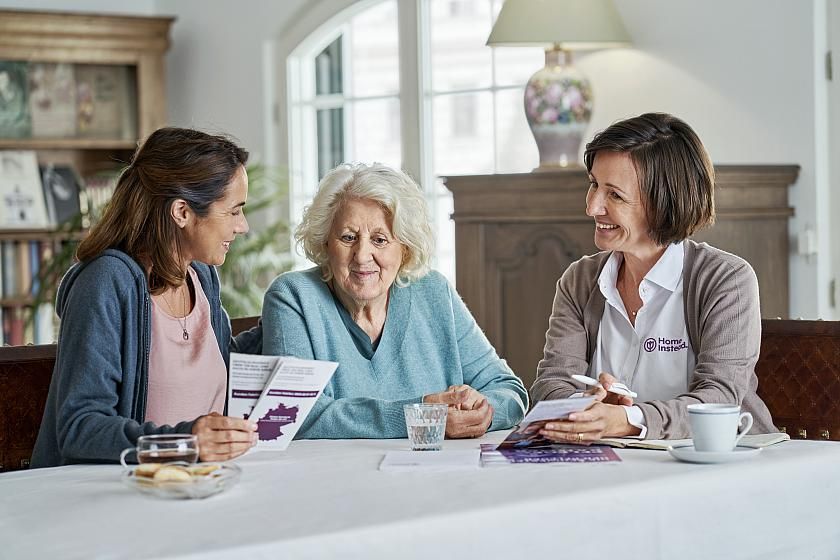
[{"x": 96, "y": 405}]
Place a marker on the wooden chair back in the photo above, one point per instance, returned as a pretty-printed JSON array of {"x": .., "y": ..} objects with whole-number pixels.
[{"x": 799, "y": 377}]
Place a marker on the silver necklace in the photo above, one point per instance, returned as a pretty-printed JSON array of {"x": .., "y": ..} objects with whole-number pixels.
[
  {"x": 633, "y": 313},
  {"x": 183, "y": 323}
]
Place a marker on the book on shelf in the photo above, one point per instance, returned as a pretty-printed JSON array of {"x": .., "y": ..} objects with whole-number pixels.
[
  {"x": 106, "y": 101},
  {"x": 15, "y": 118},
  {"x": 276, "y": 392},
  {"x": 22, "y": 204},
  {"x": 9, "y": 260},
  {"x": 20, "y": 267},
  {"x": 14, "y": 326},
  {"x": 23, "y": 270},
  {"x": 43, "y": 324},
  {"x": 35, "y": 253},
  {"x": 62, "y": 190},
  {"x": 52, "y": 99},
  {"x": 99, "y": 188},
  {"x": 27, "y": 315}
]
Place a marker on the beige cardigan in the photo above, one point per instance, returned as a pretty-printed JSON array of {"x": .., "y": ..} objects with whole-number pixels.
[{"x": 723, "y": 320}]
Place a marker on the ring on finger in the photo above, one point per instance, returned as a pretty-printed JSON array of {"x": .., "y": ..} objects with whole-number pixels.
[{"x": 580, "y": 437}]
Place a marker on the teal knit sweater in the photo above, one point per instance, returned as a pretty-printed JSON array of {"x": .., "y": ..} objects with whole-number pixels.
[{"x": 429, "y": 342}]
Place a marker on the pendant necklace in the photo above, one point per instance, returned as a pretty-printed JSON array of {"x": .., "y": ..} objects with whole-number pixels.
[
  {"x": 183, "y": 323},
  {"x": 632, "y": 313}
]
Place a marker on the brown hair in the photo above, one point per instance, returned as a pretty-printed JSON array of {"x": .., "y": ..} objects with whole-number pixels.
[
  {"x": 676, "y": 175},
  {"x": 173, "y": 163}
]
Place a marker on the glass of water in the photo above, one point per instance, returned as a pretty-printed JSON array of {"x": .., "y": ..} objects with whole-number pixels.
[{"x": 426, "y": 425}]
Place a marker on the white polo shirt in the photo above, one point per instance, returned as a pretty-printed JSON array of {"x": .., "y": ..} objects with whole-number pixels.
[{"x": 654, "y": 358}]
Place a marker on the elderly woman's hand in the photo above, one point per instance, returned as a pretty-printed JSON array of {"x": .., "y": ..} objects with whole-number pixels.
[
  {"x": 588, "y": 426},
  {"x": 470, "y": 413},
  {"x": 471, "y": 401},
  {"x": 223, "y": 437},
  {"x": 601, "y": 394},
  {"x": 469, "y": 423},
  {"x": 456, "y": 396}
]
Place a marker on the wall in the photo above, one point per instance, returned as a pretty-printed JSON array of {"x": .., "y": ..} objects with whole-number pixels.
[
  {"x": 220, "y": 68},
  {"x": 744, "y": 75},
  {"x": 136, "y": 7},
  {"x": 833, "y": 207}
]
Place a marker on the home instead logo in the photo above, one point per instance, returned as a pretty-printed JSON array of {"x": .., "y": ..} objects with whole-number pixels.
[{"x": 665, "y": 344}]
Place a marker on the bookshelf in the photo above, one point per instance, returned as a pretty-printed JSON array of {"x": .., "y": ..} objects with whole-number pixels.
[{"x": 94, "y": 86}]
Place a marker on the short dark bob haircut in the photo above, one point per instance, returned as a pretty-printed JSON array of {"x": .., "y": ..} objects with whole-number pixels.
[{"x": 676, "y": 175}]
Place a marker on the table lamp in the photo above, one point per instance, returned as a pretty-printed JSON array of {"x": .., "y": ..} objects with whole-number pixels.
[{"x": 558, "y": 97}]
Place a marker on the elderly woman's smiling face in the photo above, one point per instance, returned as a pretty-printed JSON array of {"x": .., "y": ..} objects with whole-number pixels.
[{"x": 364, "y": 256}]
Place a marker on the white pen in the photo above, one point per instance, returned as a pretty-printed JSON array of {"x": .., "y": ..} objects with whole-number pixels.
[{"x": 617, "y": 388}]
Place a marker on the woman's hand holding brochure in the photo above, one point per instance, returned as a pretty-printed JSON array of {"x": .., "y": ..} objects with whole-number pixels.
[{"x": 528, "y": 433}]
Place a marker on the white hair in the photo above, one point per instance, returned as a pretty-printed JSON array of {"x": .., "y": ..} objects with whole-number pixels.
[{"x": 400, "y": 198}]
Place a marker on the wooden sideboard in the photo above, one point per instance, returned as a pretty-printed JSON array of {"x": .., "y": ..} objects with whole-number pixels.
[{"x": 516, "y": 234}]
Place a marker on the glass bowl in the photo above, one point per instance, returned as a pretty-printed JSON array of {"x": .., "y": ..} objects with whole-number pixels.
[{"x": 199, "y": 485}]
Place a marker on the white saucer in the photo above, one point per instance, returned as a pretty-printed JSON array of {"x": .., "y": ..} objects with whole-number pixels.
[{"x": 690, "y": 455}]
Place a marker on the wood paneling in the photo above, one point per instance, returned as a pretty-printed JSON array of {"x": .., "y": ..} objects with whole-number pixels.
[{"x": 516, "y": 234}]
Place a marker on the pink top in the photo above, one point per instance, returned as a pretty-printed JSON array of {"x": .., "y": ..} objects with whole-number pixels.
[{"x": 187, "y": 378}]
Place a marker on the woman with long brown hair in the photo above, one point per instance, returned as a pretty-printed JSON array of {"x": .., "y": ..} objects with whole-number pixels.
[{"x": 144, "y": 341}]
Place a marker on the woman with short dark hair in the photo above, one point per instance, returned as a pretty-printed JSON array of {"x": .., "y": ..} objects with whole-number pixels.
[
  {"x": 144, "y": 342},
  {"x": 676, "y": 321}
]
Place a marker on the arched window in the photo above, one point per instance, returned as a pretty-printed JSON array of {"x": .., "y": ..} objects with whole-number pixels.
[{"x": 411, "y": 84}]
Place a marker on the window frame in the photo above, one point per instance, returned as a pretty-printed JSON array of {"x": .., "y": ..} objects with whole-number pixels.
[{"x": 416, "y": 97}]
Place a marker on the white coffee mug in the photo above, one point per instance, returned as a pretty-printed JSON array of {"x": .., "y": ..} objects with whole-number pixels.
[{"x": 717, "y": 427}]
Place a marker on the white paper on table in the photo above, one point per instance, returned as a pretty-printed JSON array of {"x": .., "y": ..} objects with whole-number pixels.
[
  {"x": 445, "y": 460},
  {"x": 557, "y": 409},
  {"x": 277, "y": 393}
]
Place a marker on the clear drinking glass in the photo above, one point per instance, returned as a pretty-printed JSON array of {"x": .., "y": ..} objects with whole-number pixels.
[
  {"x": 164, "y": 448},
  {"x": 426, "y": 425}
]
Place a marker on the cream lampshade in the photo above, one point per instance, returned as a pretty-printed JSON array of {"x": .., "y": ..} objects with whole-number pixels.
[{"x": 558, "y": 98}]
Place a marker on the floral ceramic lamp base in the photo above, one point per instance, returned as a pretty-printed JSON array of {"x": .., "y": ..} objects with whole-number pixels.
[{"x": 558, "y": 105}]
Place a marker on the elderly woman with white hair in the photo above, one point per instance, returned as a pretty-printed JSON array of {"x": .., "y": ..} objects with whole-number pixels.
[{"x": 398, "y": 330}]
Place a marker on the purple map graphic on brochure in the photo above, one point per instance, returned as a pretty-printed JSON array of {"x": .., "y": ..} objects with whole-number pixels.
[{"x": 270, "y": 426}]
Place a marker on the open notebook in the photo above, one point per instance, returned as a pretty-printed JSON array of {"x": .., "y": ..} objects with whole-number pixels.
[{"x": 755, "y": 440}]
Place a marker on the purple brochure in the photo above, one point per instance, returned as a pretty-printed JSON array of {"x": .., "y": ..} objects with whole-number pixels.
[{"x": 556, "y": 453}]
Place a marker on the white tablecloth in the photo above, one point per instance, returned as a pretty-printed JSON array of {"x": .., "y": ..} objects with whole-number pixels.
[{"x": 326, "y": 499}]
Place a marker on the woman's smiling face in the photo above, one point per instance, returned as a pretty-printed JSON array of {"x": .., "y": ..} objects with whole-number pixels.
[
  {"x": 364, "y": 256},
  {"x": 208, "y": 239},
  {"x": 614, "y": 199}
]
